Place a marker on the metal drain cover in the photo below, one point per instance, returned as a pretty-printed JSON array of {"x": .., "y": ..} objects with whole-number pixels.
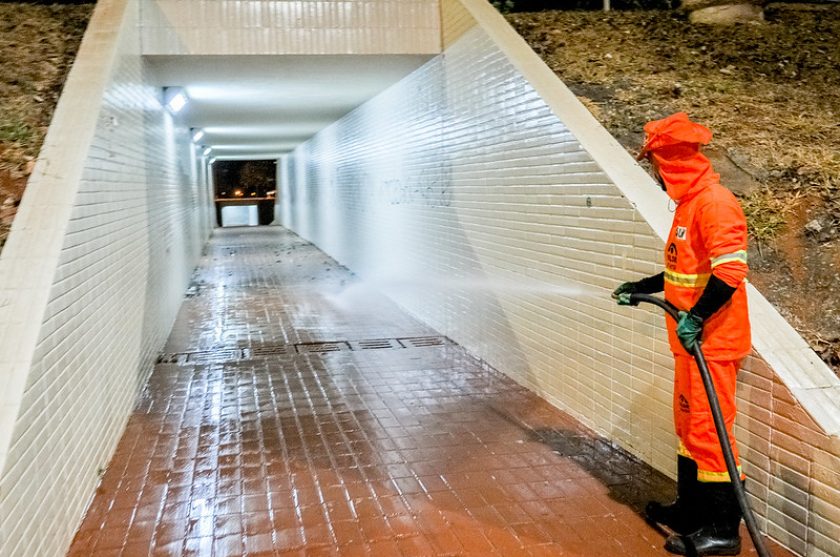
[
  {"x": 310, "y": 347},
  {"x": 375, "y": 344},
  {"x": 222, "y": 355},
  {"x": 421, "y": 342}
]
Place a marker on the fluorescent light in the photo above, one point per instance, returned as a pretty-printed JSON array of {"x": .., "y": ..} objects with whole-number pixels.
[
  {"x": 198, "y": 135},
  {"x": 177, "y": 102},
  {"x": 207, "y": 151}
]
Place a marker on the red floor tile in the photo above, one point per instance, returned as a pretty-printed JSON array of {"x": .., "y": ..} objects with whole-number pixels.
[{"x": 248, "y": 440}]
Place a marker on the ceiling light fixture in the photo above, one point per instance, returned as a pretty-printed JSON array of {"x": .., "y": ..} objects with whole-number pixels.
[
  {"x": 175, "y": 99},
  {"x": 197, "y": 135}
]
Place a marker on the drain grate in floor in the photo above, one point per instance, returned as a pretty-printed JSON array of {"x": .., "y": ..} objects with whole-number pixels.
[
  {"x": 266, "y": 350},
  {"x": 172, "y": 358},
  {"x": 320, "y": 347},
  {"x": 421, "y": 342},
  {"x": 213, "y": 356},
  {"x": 376, "y": 344},
  {"x": 269, "y": 350}
]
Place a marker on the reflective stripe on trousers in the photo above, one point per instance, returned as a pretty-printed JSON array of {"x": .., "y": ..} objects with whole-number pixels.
[{"x": 693, "y": 416}]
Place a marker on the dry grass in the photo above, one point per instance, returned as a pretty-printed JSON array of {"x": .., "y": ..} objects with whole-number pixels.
[
  {"x": 37, "y": 46},
  {"x": 770, "y": 92},
  {"x": 767, "y": 211}
]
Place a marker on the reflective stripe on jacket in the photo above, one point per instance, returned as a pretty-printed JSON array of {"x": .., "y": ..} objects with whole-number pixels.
[{"x": 709, "y": 236}]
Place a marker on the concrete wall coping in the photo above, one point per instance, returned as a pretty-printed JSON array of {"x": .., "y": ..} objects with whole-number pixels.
[{"x": 814, "y": 384}]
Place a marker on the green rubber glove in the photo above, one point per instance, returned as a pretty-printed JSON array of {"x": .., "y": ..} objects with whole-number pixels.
[
  {"x": 689, "y": 329},
  {"x": 622, "y": 294}
]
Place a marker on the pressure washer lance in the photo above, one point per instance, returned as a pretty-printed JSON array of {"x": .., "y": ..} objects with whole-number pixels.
[{"x": 720, "y": 426}]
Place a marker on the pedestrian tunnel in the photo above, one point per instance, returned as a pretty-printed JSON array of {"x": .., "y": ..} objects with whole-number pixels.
[{"x": 421, "y": 145}]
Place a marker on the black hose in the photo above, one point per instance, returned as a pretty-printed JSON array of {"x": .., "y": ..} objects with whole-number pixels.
[{"x": 720, "y": 425}]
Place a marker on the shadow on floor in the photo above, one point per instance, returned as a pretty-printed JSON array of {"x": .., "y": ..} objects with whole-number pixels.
[{"x": 629, "y": 481}]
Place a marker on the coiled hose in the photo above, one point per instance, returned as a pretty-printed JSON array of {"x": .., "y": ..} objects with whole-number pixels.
[{"x": 720, "y": 426}]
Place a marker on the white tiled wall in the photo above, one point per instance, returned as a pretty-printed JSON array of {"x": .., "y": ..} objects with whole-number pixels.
[
  {"x": 463, "y": 195},
  {"x": 478, "y": 210},
  {"x": 94, "y": 272},
  {"x": 290, "y": 27}
]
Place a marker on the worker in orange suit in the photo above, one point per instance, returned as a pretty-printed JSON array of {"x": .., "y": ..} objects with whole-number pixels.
[{"x": 705, "y": 277}]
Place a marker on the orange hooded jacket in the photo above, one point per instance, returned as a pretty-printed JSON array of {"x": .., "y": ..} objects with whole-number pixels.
[{"x": 708, "y": 235}]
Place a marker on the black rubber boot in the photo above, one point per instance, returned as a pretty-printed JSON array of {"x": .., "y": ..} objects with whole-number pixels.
[
  {"x": 721, "y": 520},
  {"x": 680, "y": 515}
]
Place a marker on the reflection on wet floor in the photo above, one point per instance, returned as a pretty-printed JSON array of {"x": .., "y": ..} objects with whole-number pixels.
[{"x": 281, "y": 422}]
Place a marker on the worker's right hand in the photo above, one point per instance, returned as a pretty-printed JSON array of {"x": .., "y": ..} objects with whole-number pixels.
[
  {"x": 622, "y": 294},
  {"x": 689, "y": 329}
]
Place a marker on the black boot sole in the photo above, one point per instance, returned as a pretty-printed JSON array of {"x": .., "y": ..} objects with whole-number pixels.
[{"x": 679, "y": 546}]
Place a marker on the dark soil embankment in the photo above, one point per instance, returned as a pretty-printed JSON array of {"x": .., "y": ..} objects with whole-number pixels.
[
  {"x": 37, "y": 46},
  {"x": 771, "y": 94}
]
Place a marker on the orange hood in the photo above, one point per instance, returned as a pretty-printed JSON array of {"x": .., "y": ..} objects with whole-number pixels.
[{"x": 673, "y": 144}]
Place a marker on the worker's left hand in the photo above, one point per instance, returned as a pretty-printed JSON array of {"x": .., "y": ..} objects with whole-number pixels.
[{"x": 689, "y": 329}]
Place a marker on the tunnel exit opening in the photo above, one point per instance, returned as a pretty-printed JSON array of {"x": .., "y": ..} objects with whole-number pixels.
[{"x": 244, "y": 192}]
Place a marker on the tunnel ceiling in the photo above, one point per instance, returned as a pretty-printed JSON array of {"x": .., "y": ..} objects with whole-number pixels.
[{"x": 259, "y": 107}]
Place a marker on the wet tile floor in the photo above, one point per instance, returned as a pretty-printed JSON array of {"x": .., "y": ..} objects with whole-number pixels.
[{"x": 296, "y": 413}]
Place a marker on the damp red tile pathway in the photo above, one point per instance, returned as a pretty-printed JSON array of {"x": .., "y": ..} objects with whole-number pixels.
[{"x": 296, "y": 413}]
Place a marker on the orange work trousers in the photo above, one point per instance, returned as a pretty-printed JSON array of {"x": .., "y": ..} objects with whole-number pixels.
[{"x": 693, "y": 416}]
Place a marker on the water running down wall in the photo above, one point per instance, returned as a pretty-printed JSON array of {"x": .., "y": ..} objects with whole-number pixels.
[{"x": 480, "y": 169}]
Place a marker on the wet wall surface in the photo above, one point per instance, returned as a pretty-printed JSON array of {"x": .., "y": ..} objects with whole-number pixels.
[{"x": 295, "y": 412}]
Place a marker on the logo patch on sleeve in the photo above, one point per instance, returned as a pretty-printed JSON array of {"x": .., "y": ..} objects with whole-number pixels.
[{"x": 680, "y": 233}]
